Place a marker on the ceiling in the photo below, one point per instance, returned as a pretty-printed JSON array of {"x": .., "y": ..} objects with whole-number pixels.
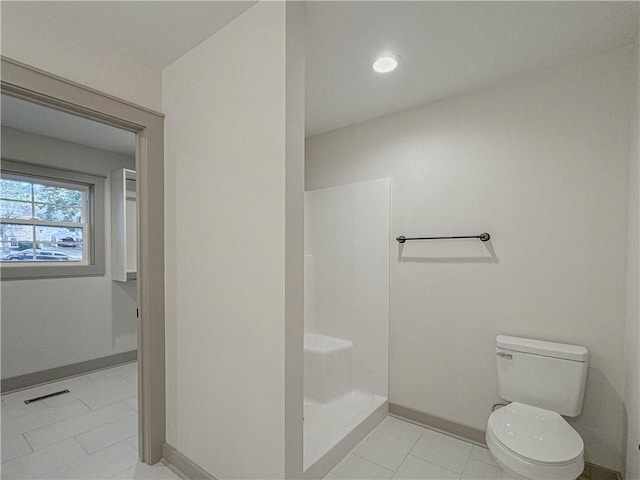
[
  {"x": 446, "y": 48},
  {"x": 152, "y": 33},
  {"x": 40, "y": 120}
]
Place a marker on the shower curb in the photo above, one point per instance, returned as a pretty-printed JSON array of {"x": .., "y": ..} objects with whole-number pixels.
[{"x": 335, "y": 455}]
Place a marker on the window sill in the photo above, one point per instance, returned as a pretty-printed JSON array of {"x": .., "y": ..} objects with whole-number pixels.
[{"x": 48, "y": 270}]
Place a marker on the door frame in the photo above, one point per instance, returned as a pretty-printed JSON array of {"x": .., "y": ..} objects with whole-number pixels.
[{"x": 23, "y": 81}]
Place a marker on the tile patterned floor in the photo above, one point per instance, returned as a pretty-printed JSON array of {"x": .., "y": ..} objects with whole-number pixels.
[
  {"x": 89, "y": 433},
  {"x": 402, "y": 450}
]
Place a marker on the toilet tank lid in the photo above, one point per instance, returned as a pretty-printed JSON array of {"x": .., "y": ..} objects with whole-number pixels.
[{"x": 564, "y": 351}]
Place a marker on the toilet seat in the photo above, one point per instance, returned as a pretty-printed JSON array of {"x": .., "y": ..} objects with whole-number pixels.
[
  {"x": 535, "y": 443},
  {"x": 535, "y": 434}
]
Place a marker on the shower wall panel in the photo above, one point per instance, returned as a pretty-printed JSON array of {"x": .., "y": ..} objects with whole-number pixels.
[{"x": 347, "y": 277}]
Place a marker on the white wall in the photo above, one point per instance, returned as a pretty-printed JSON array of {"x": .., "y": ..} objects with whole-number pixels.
[
  {"x": 227, "y": 226},
  {"x": 347, "y": 234},
  {"x": 29, "y": 37},
  {"x": 49, "y": 323},
  {"x": 632, "y": 326},
  {"x": 541, "y": 163}
]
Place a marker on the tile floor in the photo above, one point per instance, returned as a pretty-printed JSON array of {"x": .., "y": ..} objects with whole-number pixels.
[
  {"x": 398, "y": 449},
  {"x": 89, "y": 433}
]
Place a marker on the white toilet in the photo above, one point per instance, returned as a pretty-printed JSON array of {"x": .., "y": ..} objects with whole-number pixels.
[{"x": 543, "y": 380}]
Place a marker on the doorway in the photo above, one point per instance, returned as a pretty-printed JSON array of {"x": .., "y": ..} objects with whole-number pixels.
[{"x": 21, "y": 82}]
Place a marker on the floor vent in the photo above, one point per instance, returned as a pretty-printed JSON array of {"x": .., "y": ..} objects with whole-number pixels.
[{"x": 44, "y": 397}]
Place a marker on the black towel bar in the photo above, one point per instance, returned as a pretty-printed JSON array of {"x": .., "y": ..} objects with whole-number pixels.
[{"x": 483, "y": 237}]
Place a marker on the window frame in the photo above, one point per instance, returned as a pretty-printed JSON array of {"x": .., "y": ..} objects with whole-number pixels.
[
  {"x": 34, "y": 221},
  {"x": 93, "y": 263}
]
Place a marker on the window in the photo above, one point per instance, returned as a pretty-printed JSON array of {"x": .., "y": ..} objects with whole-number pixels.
[
  {"x": 51, "y": 222},
  {"x": 43, "y": 220}
]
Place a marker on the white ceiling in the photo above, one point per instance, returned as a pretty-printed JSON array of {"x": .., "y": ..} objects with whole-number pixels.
[
  {"x": 152, "y": 33},
  {"x": 446, "y": 48},
  {"x": 40, "y": 120}
]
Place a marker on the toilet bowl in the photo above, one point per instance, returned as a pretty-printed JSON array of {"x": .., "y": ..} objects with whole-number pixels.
[{"x": 535, "y": 443}]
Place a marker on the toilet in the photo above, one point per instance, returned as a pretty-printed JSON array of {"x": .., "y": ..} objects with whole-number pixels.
[{"x": 529, "y": 438}]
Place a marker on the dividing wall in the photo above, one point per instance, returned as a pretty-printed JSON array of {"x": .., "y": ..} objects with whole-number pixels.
[{"x": 234, "y": 157}]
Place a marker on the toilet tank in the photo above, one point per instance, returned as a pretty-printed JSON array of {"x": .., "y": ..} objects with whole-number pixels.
[{"x": 542, "y": 374}]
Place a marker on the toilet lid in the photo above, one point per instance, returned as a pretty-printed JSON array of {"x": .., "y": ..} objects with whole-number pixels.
[{"x": 536, "y": 434}]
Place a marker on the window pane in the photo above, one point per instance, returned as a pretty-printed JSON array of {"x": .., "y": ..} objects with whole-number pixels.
[
  {"x": 11, "y": 209},
  {"x": 65, "y": 241},
  {"x": 57, "y": 195},
  {"x": 15, "y": 190},
  {"x": 12, "y": 253},
  {"x": 58, "y": 213},
  {"x": 16, "y": 233},
  {"x": 57, "y": 235},
  {"x": 53, "y": 255}
]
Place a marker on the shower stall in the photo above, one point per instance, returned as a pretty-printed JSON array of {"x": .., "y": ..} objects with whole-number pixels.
[{"x": 346, "y": 341}]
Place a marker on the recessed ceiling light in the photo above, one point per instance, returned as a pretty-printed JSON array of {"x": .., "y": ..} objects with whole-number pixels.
[{"x": 385, "y": 63}]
